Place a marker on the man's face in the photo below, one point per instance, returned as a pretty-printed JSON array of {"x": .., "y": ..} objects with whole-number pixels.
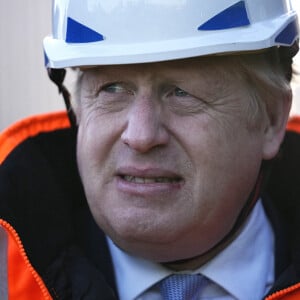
[{"x": 166, "y": 154}]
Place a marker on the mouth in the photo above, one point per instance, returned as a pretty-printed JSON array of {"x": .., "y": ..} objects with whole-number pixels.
[{"x": 150, "y": 180}]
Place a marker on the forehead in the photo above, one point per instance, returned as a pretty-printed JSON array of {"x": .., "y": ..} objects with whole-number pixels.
[{"x": 186, "y": 68}]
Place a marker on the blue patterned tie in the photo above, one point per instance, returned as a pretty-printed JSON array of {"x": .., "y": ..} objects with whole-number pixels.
[{"x": 182, "y": 287}]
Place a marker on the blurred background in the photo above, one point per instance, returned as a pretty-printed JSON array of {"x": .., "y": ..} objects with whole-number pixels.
[{"x": 24, "y": 86}]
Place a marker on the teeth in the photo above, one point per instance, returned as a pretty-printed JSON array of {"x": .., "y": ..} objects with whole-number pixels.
[{"x": 148, "y": 180}]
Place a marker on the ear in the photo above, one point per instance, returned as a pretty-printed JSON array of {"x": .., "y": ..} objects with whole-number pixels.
[{"x": 274, "y": 131}]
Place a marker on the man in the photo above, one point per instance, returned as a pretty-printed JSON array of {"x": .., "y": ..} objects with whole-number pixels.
[{"x": 181, "y": 108}]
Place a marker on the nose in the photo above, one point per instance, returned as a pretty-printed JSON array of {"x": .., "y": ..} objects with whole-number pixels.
[{"x": 145, "y": 127}]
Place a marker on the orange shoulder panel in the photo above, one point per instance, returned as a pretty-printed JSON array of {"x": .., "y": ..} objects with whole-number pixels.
[
  {"x": 290, "y": 293},
  {"x": 28, "y": 127},
  {"x": 24, "y": 283},
  {"x": 294, "y": 124}
]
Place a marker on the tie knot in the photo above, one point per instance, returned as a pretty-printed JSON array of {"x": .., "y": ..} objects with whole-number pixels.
[{"x": 181, "y": 287}]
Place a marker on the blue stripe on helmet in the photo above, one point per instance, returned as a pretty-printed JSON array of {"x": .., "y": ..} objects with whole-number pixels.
[
  {"x": 289, "y": 34},
  {"x": 79, "y": 33},
  {"x": 233, "y": 16},
  {"x": 46, "y": 59}
]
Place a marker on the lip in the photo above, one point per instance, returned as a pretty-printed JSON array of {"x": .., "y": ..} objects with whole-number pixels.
[{"x": 147, "y": 188}]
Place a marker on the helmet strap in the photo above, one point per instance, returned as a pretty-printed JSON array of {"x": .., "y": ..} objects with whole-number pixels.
[{"x": 58, "y": 76}]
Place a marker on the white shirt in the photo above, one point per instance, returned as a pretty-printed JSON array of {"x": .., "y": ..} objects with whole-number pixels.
[{"x": 244, "y": 270}]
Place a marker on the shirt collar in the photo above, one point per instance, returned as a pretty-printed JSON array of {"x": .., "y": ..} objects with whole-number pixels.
[
  {"x": 248, "y": 261},
  {"x": 134, "y": 275},
  {"x": 254, "y": 267}
]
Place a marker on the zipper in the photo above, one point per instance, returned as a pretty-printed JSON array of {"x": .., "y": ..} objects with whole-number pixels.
[
  {"x": 284, "y": 292},
  {"x": 22, "y": 251}
]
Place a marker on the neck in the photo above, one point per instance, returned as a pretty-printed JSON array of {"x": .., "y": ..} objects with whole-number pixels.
[{"x": 198, "y": 261}]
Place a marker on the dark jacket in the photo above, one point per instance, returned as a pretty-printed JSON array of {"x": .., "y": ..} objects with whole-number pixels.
[{"x": 42, "y": 199}]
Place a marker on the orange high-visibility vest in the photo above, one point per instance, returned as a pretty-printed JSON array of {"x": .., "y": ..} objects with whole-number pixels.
[{"x": 18, "y": 279}]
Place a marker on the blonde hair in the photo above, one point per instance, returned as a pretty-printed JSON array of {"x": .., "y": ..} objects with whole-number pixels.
[{"x": 268, "y": 80}]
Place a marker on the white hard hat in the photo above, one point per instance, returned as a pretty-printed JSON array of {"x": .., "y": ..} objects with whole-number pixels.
[{"x": 98, "y": 32}]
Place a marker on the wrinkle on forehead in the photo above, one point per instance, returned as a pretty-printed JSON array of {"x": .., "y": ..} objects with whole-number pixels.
[{"x": 212, "y": 70}]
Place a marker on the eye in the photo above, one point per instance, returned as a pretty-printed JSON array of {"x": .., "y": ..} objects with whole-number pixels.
[
  {"x": 114, "y": 88},
  {"x": 180, "y": 93},
  {"x": 117, "y": 88},
  {"x": 184, "y": 103},
  {"x": 112, "y": 97}
]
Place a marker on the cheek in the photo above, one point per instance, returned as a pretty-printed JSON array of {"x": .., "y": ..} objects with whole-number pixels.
[
  {"x": 86, "y": 158},
  {"x": 226, "y": 159},
  {"x": 97, "y": 133},
  {"x": 92, "y": 155},
  {"x": 92, "y": 149}
]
